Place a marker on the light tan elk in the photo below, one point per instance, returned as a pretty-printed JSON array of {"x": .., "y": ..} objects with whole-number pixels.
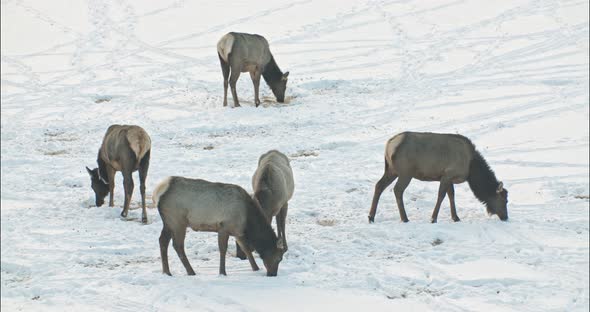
[
  {"x": 273, "y": 188},
  {"x": 240, "y": 53},
  {"x": 448, "y": 158},
  {"x": 125, "y": 148},
  {"x": 214, "y": 207}
]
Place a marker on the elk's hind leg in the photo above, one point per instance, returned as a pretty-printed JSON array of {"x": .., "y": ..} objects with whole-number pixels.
[
  {"x": 381, "y": 185},
  {"x": 178, "y": 244},
  {"x": 165, "y": 237},
  {"x": 143, "y": 169},
  {"x": 233, "y": 78},
  {"x": 225, "y": 71},
  {"x": 128, "y": 186}
]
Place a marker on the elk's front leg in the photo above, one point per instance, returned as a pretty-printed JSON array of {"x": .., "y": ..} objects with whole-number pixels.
[
  {"x": 281, "y": 220},
  {"x": 442, "y": 191},
  {"x": 255, "y": 75},
  {"x": 398, "y": 190},
  {"x": 248, "y": 253},
  {"x": 222, "y": 239},
  {"x": 239, "y": 253},
  {"x": 111, "y": 179},
  {"x": 451, "y": 194}
]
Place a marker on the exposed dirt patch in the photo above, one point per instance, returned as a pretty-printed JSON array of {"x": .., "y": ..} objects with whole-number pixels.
[
  {"x": 436, "y": 242},
  {"x": 55, "y": 153},
  {"x": 102, "y": 99},
  {"x": 326, "y": 222},
  {"x": 304, "y": 153},
  {"x": 58, "y": 136}
]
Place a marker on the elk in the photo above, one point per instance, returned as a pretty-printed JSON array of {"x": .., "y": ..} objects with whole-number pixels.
[
  {"x": 240, "y": 53},
  {"x": 448, "y": 158},
  {"x": 124, "y": 148},
  {"x": 214, "y": 207},
  {"x": 273, "y": 187}
]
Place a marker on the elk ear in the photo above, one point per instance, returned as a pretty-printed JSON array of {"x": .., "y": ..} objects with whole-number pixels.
[
  {"x": 500, "y": 188},
  {"x": 89, "y": 171},
  {"x": 281, "y": 244},
  {"x": 285, "y": 76}
]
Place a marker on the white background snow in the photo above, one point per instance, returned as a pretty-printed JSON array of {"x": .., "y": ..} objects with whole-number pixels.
[{"x": 510, "y": 75}]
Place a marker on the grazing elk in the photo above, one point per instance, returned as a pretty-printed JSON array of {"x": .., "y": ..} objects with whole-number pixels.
[
  {"x": 273, "y": 187},
  {"x": 240, "y": 53},
  {"x": 214, "y": 207},
  {"x": 448, "y": 158},
  {"x": 124, "y": 148}
]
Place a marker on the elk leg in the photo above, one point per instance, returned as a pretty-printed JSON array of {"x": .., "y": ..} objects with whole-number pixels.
[
  {"x": 442, "y": 190},
  {"x": 222, "y": 239},
  {"x": 451, "y": 194},
  {"x": 178, "y": 244},
  {"x": 255, "y": 75},
  {"x": 248, "y": 252},
  {"x": 281, "y": 219},
  {"x": 235, "y": 74},
  {"x": 165, "y": 237},
  {"x": 239, "y": 252},
  {"x": 143, "y": 169},
  {"x": 111, "y": 176},
  {"x": 128, "y": 185},
  {"x": 225, "y": 71},
  {"x": 381, "y": 185},
  {"x": 398, "y": 190}
]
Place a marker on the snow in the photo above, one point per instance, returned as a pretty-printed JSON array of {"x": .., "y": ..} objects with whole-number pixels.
[{"x": 511, "y": 75}]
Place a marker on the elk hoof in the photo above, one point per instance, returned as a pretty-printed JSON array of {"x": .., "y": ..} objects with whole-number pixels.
[
  {"x": 432, "y": 220},
  {"x": 124, "y": 214},
  {"x": 371, "y": 219},
  {"x": 144, "y": 220},
  {"x": 405, "y": 220},
  {"x": 456, "y": 219},
  {"x": 167, "y": 273}
]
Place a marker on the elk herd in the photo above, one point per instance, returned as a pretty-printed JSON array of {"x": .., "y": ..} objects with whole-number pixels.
[{"x": 229, "y": 210}]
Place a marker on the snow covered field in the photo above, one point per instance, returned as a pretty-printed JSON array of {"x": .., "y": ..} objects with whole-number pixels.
[{"x": 511, "y": 75}]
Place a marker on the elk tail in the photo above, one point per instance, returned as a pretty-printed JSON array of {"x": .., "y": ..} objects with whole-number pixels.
[{"x": 160, "y": 190}]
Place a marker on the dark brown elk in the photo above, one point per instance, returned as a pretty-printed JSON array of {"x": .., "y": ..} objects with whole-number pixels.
[
  {"x": 125, "y": 148},
  {"x": 214, "y": 207},
  {"x": 273, "y": 187},
  {"x": 240, "y": 53},
  {"x": 448, "y": 158}
]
